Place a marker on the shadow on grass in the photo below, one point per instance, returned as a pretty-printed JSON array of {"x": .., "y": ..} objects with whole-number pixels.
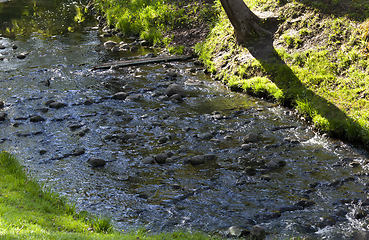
[
  {"x": 324, "y": 114},
  {"x": 357, "y": 10}
]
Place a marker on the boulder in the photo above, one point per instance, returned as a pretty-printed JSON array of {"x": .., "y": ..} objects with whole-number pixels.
[
  {"x": 258, "y": 232},
  {"x": 175, "y": 89}
]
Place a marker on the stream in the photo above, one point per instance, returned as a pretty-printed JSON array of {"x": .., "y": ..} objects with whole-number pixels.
[{"x": 207, "y": 161}]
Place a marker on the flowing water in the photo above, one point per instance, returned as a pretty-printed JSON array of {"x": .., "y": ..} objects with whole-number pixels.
[{"x": 222, "y": 158}]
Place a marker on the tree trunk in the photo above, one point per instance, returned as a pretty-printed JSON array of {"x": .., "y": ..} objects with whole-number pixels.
[{"x": 244, "y": 21}]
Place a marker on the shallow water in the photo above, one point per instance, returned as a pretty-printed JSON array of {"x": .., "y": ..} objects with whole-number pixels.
[{"x": 260, "y": 185}]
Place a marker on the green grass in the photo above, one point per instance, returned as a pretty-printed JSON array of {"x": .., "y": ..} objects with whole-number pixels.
[
  {"x": 150, "y": 19},
  {"x": 319, "y": 65},
  {"x": 29, "y": 211}
]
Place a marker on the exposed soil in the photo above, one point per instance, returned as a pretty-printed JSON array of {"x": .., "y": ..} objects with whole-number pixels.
[{"x": 188, "y": 35}]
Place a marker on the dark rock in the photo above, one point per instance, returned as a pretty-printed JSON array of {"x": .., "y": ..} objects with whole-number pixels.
[
  {"x": 162, "y": 140},
  {"x": 134, "y": 49},
  {"x": 205, "y": 136},
  {"x": 272, "y": 165},
  {"x": 198, "y": 159},
  {"x": 175, "y": 89},
  {"x": 265, "y": 216},
  {"x": 360, "y": 214},
  {"x": 148, "y": 160},
  {"x": 258, "y": 232},
  {"x": 251, "y": 137},
  {"x": 161, "y": 157},
  {"x": 183, "y": 149},
  {"x": 22, "y": 55},
  {"x": 266, "y": 177},
  {"x": 96, "y": 162},
  {"x": 37, "y": 119},
  {"x": 14, "y": 46},
  {"x": 57, "y": 105},
  {"x": 176, "y": 98},
  {"x": 2, "y": 116},
  {"x": 172, "y": 74},
  {"x": 75, "y": 126},
  {"x": 250, "y": 170},
  {"x": 48, "y": 102},
  {"x": 82, "y": 132},
  {"x": 289, "y": 208},
  {"x": 237, "y": 232},
  {"x": 88, "y": 102},
  {"x": 2, "y": 104},
  {"x": 305, "y": 203},
  {"x": 78, "y": 152},
  {"x": 109, "y": 44},
  {"x": 144, "y": 43},
  {"x": 120, "y": 96},
  {"x": 42, "y": 151},
  {"x": 246, "y": 147},
  {"x": 134, "y": 97}
]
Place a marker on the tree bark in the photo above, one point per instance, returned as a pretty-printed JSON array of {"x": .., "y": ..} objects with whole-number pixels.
[{"x": 244, "y": 21}]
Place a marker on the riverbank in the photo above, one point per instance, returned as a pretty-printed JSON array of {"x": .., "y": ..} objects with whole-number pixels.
[
  {"x": 316, "y": 62},
  {"x": 29, "y": 211}
]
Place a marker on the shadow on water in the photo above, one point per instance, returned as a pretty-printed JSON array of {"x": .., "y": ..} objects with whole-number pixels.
[{"x": 295, "y": 91}]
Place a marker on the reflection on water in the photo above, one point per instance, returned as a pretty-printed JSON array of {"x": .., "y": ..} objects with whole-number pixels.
[{"x": 287, "y": 179}]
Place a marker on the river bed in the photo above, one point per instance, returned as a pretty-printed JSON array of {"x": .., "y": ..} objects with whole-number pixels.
[{"x": 208, "y": 161}]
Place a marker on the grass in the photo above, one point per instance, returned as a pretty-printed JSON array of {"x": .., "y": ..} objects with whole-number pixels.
[
  {"x": 149, "y": 19},
  {"x": 29, "y": 211},
  {"x": 319, "y": 64}
]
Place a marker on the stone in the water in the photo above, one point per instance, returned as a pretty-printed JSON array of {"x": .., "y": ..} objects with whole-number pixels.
[
  {"x": 205, "y": 136},
  {"x": 109, "y": 44},
  {"x": 37, "y": 119},
  {"x": 237, "y": 232},
  {"x": 134, "y": 97},
  {"x": 246, "y": 147},
  {"x": 305, "y": 203},
  {"x": 198, "y": 159},
  {"x": 176, "y": 98},
  {"x": 88, "y": 101},
  {"x": 120, "y": 96},
  {"x": 57, "y": 105},
  {"x": 2, "y": 104},
  {"x": 161, "y": 157},
  {"x": 2, "y": 116},
  {"x": 148, "y": 160},
  {"x": 258, "y": 232},
  {"x": 78, "y": 152},
  {"x": 175, "y": 89},
  {"x": 266, "y": 177},
  {"x": 251, "y": 137},
  {"x": 96, "y": 162}
]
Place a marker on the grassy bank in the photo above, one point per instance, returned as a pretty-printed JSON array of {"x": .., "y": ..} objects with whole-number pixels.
[
  {"x": 27, "y": 211},
  {"x": 316, "y": 62}
]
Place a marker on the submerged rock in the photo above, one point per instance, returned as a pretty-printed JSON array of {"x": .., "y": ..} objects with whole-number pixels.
[
  {"x": 2, "y": 116},
  {"x": 96, "y": 162},
  {"x": 57, "y": 105}
]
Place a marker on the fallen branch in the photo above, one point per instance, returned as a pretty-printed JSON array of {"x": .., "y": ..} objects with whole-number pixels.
[{"x": 134, "y": 62}]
